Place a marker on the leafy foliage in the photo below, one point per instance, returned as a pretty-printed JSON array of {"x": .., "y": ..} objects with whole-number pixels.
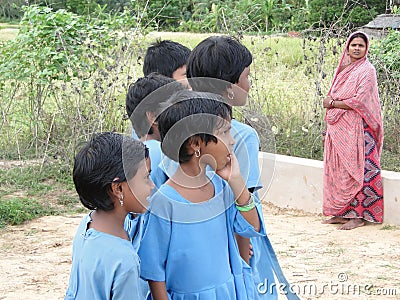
[
  {"x": 386, "y": 58},
  {"x": 16, "y": 211},
  {"x": 222, "y": 16},
  {"x": 325, "y": 13},
  {"x": 34, "y": 191},
  {"x": 69, "y": 68}
]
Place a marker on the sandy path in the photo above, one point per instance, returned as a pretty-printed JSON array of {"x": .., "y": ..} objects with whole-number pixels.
[{"x": 36, "y": 257}]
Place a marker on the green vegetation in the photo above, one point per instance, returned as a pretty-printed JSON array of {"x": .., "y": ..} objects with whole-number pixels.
[
  {"x": 221, "y": 16},
  {"x": 34, "y": 191}
]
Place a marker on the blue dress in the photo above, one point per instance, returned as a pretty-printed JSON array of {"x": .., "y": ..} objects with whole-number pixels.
[
  {"x": 103, "y": 266},
  {"x": 191, "y": 246},
  {"x": 264, "y": 263}
]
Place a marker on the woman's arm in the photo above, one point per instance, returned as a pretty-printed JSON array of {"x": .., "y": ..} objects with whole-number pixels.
[
  {"x": 330, "y": 103},
  {"x": 158, "y": 290}
]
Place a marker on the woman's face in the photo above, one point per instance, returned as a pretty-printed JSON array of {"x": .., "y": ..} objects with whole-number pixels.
[{"x": 357, "y": 49}]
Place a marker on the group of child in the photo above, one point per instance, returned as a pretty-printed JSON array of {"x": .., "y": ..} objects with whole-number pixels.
[{"x": 199, "y": 234}]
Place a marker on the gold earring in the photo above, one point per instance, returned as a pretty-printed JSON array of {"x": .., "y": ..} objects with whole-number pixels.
[
  {"x": 121, "y": 200},
  {"x": 197, "y": 153}
]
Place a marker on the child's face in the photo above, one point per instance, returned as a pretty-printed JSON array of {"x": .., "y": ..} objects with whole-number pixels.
[
  {"x": 180, "y": 76},
  {"x": 218, "y": 154},
  {"x": 138, "y": 188},
  {"x": 241, "y": 88}
]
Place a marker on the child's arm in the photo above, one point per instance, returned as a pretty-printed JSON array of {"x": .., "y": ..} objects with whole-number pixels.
[
  {"x": 231, "y": 173},
  {"x": 158, "y": 290}
]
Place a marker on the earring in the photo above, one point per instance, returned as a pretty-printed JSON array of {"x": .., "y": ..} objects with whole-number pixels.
[
  {"x": 231, "y": 95},
  {"x": 197, "y": 152},
  {"x": 121, "y": 200}
]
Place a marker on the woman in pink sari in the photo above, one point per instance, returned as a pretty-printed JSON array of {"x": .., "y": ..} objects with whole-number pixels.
[{"x": 353, "y": 191}]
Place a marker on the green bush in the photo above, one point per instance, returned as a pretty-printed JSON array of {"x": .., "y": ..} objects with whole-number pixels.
[
  {"x": 15, "y": 211},
  {"x": 385, "y": 57},
  {"x": 69, "y": 71},
  {"x": 328, "y": 13}
]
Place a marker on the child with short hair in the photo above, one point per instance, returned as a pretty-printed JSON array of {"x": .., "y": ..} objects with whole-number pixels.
[
  {"x": 221, "y": 64},
  {"x": 168, "y": 58},
  {"x": 143, "y": 102},
  {"x": 188, "y": 250},
  {"x": 111, "y": 176}
]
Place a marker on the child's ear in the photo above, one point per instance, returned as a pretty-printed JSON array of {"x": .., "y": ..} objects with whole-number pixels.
[
  {"x": 116, "y": 189},
  {"x": 151, "y": 117}
]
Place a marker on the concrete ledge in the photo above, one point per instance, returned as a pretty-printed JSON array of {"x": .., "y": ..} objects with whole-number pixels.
[{"x": 293, "y": 182}]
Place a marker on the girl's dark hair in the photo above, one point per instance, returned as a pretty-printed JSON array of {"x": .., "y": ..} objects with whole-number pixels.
[
  {"x": 221, "y": 57},
  {"x": 146, "y": 95},
  {"x": 358, "y": 35},
  {"x": 108, "y": 157},
  {"x": 165, "y": 57},
  {"x": 187, "y": 117}
]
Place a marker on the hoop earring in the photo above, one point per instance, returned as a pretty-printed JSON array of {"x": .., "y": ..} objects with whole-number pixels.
[
  {"x": 231, "y": 95},
  {"x": 197, "y": 153},
  {"x": 121, "y": 200}
]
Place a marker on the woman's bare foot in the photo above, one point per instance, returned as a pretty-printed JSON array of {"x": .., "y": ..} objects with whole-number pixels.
[
  {"x": 335, "y": 220},
  {"x": 351, "y": 224}
]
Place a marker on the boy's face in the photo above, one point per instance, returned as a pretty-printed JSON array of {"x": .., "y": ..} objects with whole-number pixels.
[
  {"x": 219, "y": 153},
  {"x": 241, "y": 88},
  {"x": 138, "y": 188},
  {"x": 180, "y": 76}
]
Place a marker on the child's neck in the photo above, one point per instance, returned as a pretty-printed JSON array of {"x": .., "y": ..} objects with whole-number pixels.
[
  {"x": 110, "y": 222},
  {"x": 191, "y": 181}
]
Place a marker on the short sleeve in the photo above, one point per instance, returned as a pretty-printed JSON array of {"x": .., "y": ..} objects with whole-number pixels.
[
  {"x": 154, "y": 247},
  {"x": 238, "y": 222},
  {"x": 246, "y": 150},
  {"x": 243, "y": 228},
  {"x": 127, "y": 285}
]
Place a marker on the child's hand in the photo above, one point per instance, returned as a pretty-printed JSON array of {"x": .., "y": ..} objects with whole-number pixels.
[{"x": 231, "y": 169}]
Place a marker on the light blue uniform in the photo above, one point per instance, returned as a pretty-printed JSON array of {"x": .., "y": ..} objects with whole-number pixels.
[
  {"x": 191, "y": 246},
  {"x": 103, "y": 266},
  {"x": 246, "y": 150}
]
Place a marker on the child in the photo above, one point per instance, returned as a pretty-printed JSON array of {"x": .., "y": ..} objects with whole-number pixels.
[
  {"x": 221, "y": 64},
  {"x": 143, "y": 100},
  {"x": 188, "y": 249},
  {"x": 111, "y": 177},
  {"x": 167, "y": 58}
]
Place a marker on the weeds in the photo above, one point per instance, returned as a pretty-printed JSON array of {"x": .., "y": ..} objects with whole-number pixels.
[{"x": 34, "y": 191}]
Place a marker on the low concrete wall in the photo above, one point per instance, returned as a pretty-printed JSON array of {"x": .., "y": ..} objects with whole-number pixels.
[{"x": 293, "y": 182}]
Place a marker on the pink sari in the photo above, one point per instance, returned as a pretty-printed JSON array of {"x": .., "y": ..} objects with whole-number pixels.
[{"x": 353, "y": 144}]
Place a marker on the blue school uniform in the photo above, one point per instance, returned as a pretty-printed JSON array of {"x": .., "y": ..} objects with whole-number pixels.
[
  {"x": 191, "y": 246},
  {"x": 246, "y": 150},
  {"x": 263, "y": 262},
  {"x": 103, "y": 266}
]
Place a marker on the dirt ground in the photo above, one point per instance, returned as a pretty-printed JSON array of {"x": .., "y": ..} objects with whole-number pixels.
[{"x": 320, "y": 261}]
